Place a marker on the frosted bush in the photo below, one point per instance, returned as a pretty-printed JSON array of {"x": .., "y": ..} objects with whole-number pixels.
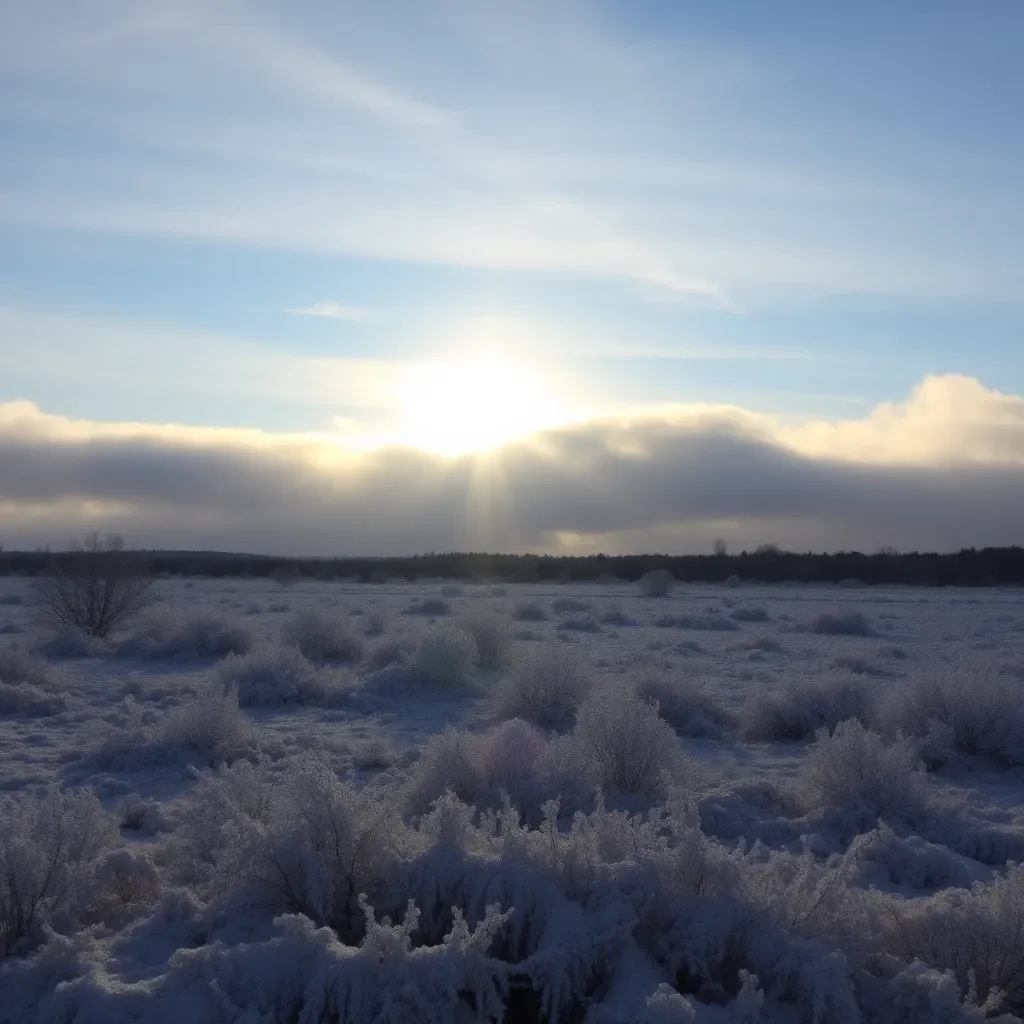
[
  {"x": 797, "y": 710},
  {"x": 322, "y": 637},
  {"x": 128, "y": 876},
  {"x": 390, "y": 652},
  {"x": 959, "y": 708},
  {"x": 569, "y": 605},
  {"x": 200, "y": 635},
  {"x": 446, "y": 656},
  {"x": 273, "y": 675},
  {"x": 975, "y": 934},
  {"x": 750, "y": 613},
  {"x": 546, "y": 687},
  {"x": 685, "y": 705},
  {"x": 856, "y": 774},
  {"x": 842, "y": 624},
  {"x": 209, "y": 729},
  {"x": 27, "y": 685},
  {"x": 530, "y": 611},
  {"x": 49, "y": 846},
  {"x": 18, "y": 666},
  {"x": 656, "y": 583},
  {"x": 480, "y": 768},
  {"x": 630, "y": 747},
  {"x": 491, "y": 635},
  {"x": 71, "y": 643},
  {"x": 433, "y": 606}
]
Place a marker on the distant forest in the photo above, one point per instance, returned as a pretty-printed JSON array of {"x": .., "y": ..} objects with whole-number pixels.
[{"x": 768, "y": 564}]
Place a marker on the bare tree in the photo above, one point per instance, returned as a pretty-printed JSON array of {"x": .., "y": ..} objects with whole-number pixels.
[
  {"x": 720, "y": 548},
  {"x": 96, "y": 586}
]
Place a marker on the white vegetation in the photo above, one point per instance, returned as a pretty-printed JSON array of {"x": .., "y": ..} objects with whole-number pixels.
[
  {"x": 323, "y": 638},
  {"x": 584, "y": 833},
  {"x": 656, "y": 583},
  {"x": 546, "y": 687},
  {"x": 446, "y": 656}
]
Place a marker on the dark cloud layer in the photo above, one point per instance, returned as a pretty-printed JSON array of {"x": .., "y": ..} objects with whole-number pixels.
[{"x": 655, "y": 483}]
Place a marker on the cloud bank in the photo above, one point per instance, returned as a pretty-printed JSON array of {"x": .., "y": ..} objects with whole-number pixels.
[{"x": 943, "y": 469}]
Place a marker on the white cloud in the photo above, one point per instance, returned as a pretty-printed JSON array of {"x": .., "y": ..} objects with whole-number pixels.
[{"x": 331, "y": 310}]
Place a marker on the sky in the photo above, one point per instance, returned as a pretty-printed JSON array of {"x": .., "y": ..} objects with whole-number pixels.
[{"x": 324, "y": 277}]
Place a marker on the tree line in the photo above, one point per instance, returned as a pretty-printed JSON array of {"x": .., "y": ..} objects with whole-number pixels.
[{"x": 970, "y": 567}]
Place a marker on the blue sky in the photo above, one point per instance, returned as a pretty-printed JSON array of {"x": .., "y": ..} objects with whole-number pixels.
[{"x": 260, "y": 215}]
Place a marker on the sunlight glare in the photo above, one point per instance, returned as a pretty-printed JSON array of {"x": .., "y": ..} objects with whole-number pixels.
[{"x": 457, "y": 407}]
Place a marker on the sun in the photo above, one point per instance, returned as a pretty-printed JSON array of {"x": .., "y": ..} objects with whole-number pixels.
[{"x": 455, "y": 407}]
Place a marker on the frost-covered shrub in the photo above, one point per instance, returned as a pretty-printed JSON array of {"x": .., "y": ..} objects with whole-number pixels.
[
  {"x": 273, "y": 675},
  {"x": 855, "y": 773},
  {"x": 479, "y": 768},
  {"x": 569, "y": 605},
  {"x": 848, "y": 623},
  {"x": 205, "y": 636},
  {"x": 71, "y": 643},
  {"x": 18, "y": 666},
  {"x": 959, "y": 708},
  {"x": 209, "y": 729},
  {"x": 322, "y": 637},
  {"x": 711, "y": 622},
  {"x": 433, "y": 606},
  {"x": 390, "y": 652},
  {"x": 613, "y": 615},
  {"x": 446, "y": 656},
  {"x": 530, "y": 611},
  {"x": 976, "y": 934},
  {"x": 452, "y": 590},
  {"x": 128, "y": 876},
  {"x": 491, "y": 635},
  {"x": 630, "y": 746},
  {"x": 750, "y": 613},
  {"x": 546, "y": 687},
  {"x": 799, "y": 709},
  {"x": 685, "y": 705},
  {"x": 305, "y": 843},
  {"x": 375, "y": 623},
  {"x": 49, "y": 846},
  {"x": 27, "y": 685},
  {"x": 656, "y": 583}
]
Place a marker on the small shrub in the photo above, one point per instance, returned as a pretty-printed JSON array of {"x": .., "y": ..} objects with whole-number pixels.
[
  {"x": 446, "y": 656},
  {"x": 629, "y": 745},
  {"x": 750, "y": 613},
  {"x": 569, "y": 605},
  {"x": 48, "y": 848},
  {"x": 201, "y": 636},
  {"x": 656, "y": 583},
  {"x": 98, "y": 587},
  {"x": 854, "y": 772},
  {"x": 797, "y": 710},
  {"x": 961, "y": 709},
  {"x": 273, "y": 675},
  {"x": 452, "y": 590},
  {"x": 545, "y": 687},
  {"x": 842, "y": 624},
  {"x": 71, "y": 643},
  {"x": 530, "y": 611},
  {"x": 433, "y": 606},
  {"x": 685, "y": 705},
  {"x": 323, "y": 638},
  {"x": 490, "y": 632}
]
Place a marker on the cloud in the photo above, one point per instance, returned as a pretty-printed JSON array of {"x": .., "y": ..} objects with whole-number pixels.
[
  {"x": 331, "y": 310},
  {"x": 666, "y": 482}
]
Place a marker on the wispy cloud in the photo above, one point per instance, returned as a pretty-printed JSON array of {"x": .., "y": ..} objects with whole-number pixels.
[{"x": 331, "y": 310}]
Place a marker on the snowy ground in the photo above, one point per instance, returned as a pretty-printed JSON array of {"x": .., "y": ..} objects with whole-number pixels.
[{"x": 263, "y": 755}]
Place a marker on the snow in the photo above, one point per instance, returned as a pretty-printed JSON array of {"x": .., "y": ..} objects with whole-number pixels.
[{"x": 385, "y": 802}]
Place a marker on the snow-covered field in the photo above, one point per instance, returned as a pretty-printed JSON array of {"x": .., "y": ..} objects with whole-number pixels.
[{"x": 437, "y": 802}]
